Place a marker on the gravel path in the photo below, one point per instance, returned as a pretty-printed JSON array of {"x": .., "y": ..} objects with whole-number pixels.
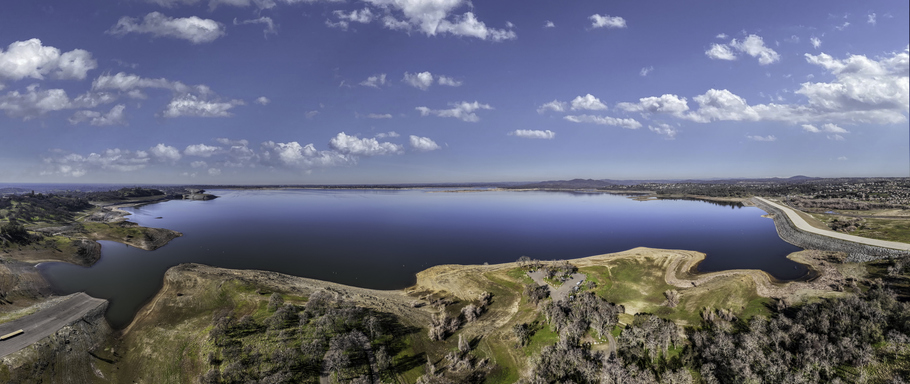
[{"x": 802, "y": 225}]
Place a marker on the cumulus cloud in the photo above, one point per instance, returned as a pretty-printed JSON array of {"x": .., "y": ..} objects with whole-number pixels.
[
  {"x": 762, "y": 138},
  {"x": 463, "y": 111},
  {"x": 588, "y": 102},
  {"x": 555, "y": 106},
  {"x": 870, "y": 18},
  {"x": 667, "y": 103},
  {"x": 292, "y": 154},
  {"x": 607, "y": 21},
  {"x": 270, "y": 26},
  {"x": 864, "y": 91},
  {"x": 354, "y": 145},
  {"x": 214, "y": 171},
  {"x": 549, "y": 24},
  {"x": 34, "y": 102},
  {"x": 32, "y": 59},
  {"x": 722, "y": 36},
  {"x": 645, "y": 71},
  {"x": 114, "y": 117},
  {"x": 664, "y": 129},
  {"x": 604, "y": 120},
  {"x": 720, "y": 52},
  {"x": 752, "y": 45},
  {"x": 422, "y": 80},
  {"x": 199, "y": 164},
  {"x": 830, "y": 128},
  {"x": 165, "y": 152},
  {"x": 262, "y": 100},
  {"x": 193, "y": 29},
  {"x": 192, "y": 105},
  {"x": 436, "y": 17},
  {"x": 127, "y": 82},
  {"x": 379, "y": 116},
  {"x": 375, "y": 81},
  {"x": 423, "y": 144},
  {"x": 201, "y": 150},
  {"x": 533, "y": 134}
]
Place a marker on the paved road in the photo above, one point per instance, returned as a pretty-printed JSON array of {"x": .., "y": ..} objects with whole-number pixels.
[
  {"x": 564, "y": 290},
  {"x": 802, "y": 225},
  {"x": 44, "y": 323}
]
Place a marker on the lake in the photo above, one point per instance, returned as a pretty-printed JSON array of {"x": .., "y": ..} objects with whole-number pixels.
[{"x": 381, "y": 238}]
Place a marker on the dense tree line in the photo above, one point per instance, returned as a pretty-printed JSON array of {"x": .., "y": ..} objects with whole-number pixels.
[
  {"x": 299, "y": 343},
  {"x": 830, "y": 341}
]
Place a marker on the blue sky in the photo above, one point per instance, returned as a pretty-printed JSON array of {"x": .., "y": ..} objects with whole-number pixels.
[{"x": 389, "y": 91}]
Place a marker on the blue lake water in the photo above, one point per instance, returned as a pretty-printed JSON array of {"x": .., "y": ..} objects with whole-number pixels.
[{"x": 381, "y": 239}]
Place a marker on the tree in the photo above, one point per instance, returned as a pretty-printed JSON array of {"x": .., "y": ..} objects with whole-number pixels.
[
  {"x": 522, "y": 332},
  {"x": 275, "y": 302}
]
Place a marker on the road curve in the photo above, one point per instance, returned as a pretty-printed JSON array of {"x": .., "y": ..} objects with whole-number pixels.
[
  {"x": 802, "y": 225},
  {"x": 47, "y": 321}
]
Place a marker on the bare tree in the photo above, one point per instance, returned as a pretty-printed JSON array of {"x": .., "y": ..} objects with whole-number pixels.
[{"x": 672, "y": 298}]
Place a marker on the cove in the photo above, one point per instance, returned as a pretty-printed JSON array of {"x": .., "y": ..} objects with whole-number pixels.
[{"x": 381, "y": 238}]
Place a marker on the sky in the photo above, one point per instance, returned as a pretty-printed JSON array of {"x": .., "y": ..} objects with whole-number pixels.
[{"x": 437, "y": 91}]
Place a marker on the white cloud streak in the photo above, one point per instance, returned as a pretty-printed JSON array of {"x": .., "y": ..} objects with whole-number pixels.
[
  {"x": 607, "y": 21},
  {"x": 423, "y": 144},
  {"x": 193, "y": 29},
  {"x": 604, "y": 120},
  {"x": 533, "y": 134},
  {"x": 463, "y": 111}
]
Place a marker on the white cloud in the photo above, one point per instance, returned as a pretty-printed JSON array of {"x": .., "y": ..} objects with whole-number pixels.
[
  {"x": 671, "y": 104},
  {"x": 423, "y": 144},
  {"x": 125, "y": 82},
  {"x": 829, "y": 128},
  {"x": 792, "y": 39},
  {"x": 645, "y": 71},
  {"x": 836, "y": 137},
  {"x": 35, "y": 102},
  {"x": 214, "y": 171},
  {"x": 720, "y": 52},
  {"x": 842, "y": 158},
  {"x": 75, "y": 165},
  {"x": 226, "y": 141},
  {"x": 292, "y": 154},
  {"x": 533, "y": 134},
  {"x": 463, "y": 111},
  {"x": 549, "y": 24},
  {"x": 816, "y": 42},
  {"x": 588, "y": 102},
  {"x": 607, "y": 21},
  {"x": 363, "y": 16},
  {"x": 354, "y": 145},
  {"x": 842, "y": 26},
  {"x": 434, "y": 17},
  {"x": 375, "y": 81},
  {"x": 262, "y": 100},
  {"x": 722, "y": 105},
  {"x": 555, "y": 105},
  {"x": 387, "y": 134},
  {"x": 722, "y": 36},
  {"x": 664, "y": 129},
  {"x": 33, "y": 60},
  {"x": 604, "y": 120},
  {"x": 192, "y": 105},
  {"x": 114, "y": 117},
  {"x": 270, "y": 27},
  {"x": 762, "y": 138},
  {"x": 199, "y": 164},
  {"x": 870, "y": 18},
  {"x": 445, "y": 80},
  {"x": 193, "y": 29},
  {"x": 752, "y": 45},
  {"x": 379, "y": 116},
  {"x": 422, "y": 80},
  {"x": 201, "y": 150},
  {"x": 165, "y": 152}
]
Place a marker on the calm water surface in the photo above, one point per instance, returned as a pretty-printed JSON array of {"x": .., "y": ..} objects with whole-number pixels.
[{"x": 380, "y": 239}]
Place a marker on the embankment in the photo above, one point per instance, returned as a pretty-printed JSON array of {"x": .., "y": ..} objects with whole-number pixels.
[{"x": 790, "y": 233}]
